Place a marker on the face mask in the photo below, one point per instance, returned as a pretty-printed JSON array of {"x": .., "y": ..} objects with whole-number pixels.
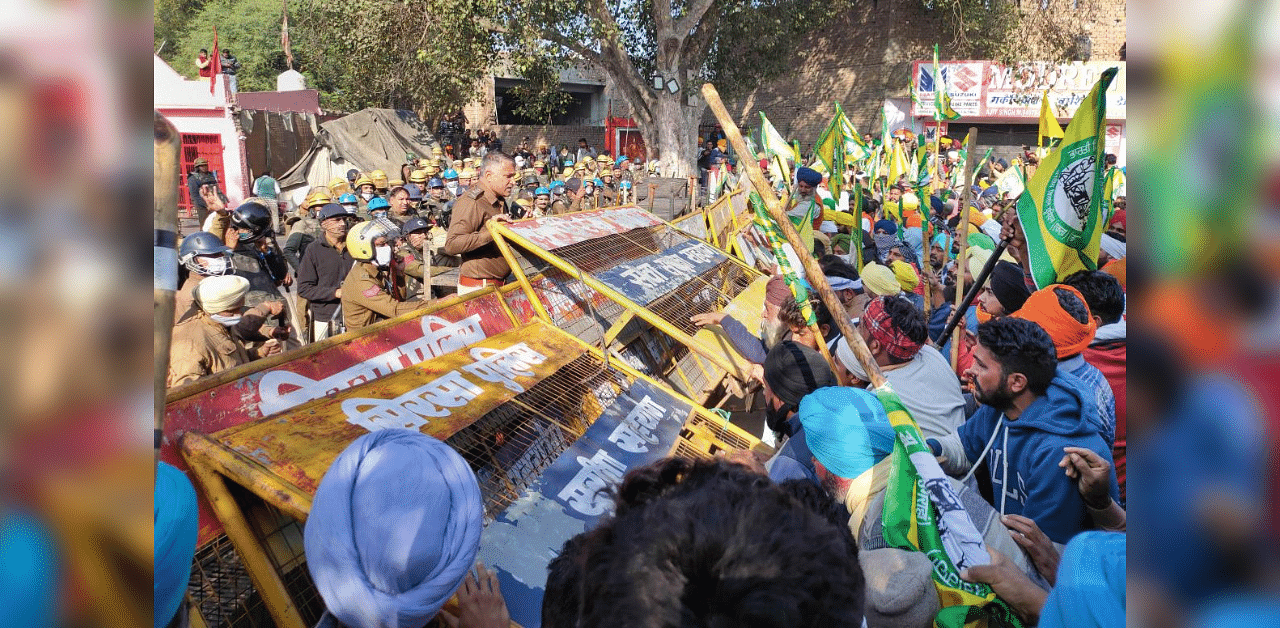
[
  {"x": 215, "y": 266},
  {"x": 225, "y": 320},
  {"x": 382, "y": 255},
  {"x": 366, "y": 195},
  {"x": 452, "y": 186},
  {"x": 380, "y": 214}
]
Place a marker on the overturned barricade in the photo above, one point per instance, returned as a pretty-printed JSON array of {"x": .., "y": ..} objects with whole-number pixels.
[
  {"x": 544, "y": 419},
  {"x": 655, "y": 278},
  {"x": 256, "y": 439}
]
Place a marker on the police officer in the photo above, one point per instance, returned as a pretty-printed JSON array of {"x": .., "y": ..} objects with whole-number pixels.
[
  {"x": 377, "y": 208},
  {"x": 541, "y": 202},
  {"x": 412, "y": 258},
  {"x": 350, "y": 202},
  {"x": 257, "y": 257},
  {"x": 364, "y": 190},
  {"x": 450, "y": 177},
  {"x": 213, "y": 339},
  {"x": 199, "y": 177},
  {"x": 469, "y": 237},
  {"x": 608, "y": 191},
  {"x": 559, "y": 204},
  {"x": 380, "y": 183},
  {"x": 402, "y": 207},
  {"x": 323, "y": 268},
  {"x": 306, "y": 230},
  {"x": 371, "y": 291}
]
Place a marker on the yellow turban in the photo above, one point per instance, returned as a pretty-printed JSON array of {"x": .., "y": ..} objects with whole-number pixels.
[
  {"x": 905, "y": 275},
  {"x": 880, "y": 280}
]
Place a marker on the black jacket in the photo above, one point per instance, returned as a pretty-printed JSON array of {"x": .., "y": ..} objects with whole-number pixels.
[{"x": 320, "y": 274}]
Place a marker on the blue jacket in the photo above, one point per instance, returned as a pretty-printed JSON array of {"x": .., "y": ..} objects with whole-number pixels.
[{"x": 1023, "y": 461}]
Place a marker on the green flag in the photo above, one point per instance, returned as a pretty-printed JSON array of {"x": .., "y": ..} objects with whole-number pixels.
[
  {"x": 1061, "y": 212},
  {"x": 764, "y": 221}
]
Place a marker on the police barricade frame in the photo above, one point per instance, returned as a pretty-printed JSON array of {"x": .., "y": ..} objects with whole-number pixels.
[{"x": 223, "y": 472}]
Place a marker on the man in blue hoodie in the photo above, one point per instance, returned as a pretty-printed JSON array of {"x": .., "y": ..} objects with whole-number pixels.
[{"x": 1030, "y": 411}]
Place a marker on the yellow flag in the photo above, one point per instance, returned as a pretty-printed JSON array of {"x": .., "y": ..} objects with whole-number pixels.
[
  {"x": 1049, "y": 126},
  {"x": 1061, "y": 209},
  {"x": 898, "y": 164}
]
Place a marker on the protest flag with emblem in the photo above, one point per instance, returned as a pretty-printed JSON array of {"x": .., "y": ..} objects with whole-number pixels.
[
  {"x": 1049, "y": 126},
  {"x": 854, "y": 148},
  {"x": 941, "y": 99},
  {"x": 1061, "y": 211},
  {"x": 778, "y": 244},
  {"x": 923, "y": 513}
]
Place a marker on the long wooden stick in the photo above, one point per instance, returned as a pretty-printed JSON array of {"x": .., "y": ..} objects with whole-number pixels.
[
  {"x": 964, "y": 249},
  {"x": 812, "y": 270},
  {"x": 165, "y": 220}
]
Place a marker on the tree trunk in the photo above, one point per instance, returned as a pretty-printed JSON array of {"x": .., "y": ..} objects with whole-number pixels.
[{"x": 673, "y": 132}]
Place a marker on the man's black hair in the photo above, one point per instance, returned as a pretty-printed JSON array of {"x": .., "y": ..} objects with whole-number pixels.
[
  {"x": 790, "y": 315},
  {"x": 1111, "y": 159},
  {"x": 711, "y": 543},
  {"x": 1021, "y": 346},
  {"x": 835, "y": 266},
  {"x": 906, "y": 318},
  {"x": 203, "y": 50},
  {"x": 1101, "y": 291},
  {"x": 1072, "y": 305}
]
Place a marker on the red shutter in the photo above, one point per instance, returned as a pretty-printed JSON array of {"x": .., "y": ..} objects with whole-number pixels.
[{"x": 195, "y": 145}]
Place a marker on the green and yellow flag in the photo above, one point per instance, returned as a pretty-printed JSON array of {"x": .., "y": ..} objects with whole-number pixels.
[
  {"x": 1049, "y": 126},
  {"x": 913, "y": 521},
  {"x": 773, "y": 235},
  {"x": 1061, "y": 211},
  {"x": 941, "y": 99},
  {"x": 898, "y": 164},
  {"x": 776, "y": 149}
]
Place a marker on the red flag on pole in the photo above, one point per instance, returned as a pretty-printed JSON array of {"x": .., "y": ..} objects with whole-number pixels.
[{"x": 216, "y": 63}]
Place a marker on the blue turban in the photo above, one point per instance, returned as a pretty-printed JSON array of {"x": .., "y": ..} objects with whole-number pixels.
[
  {"x": 943, "y": 241},
  {"x": 809, "y": 176},
  {"x": 175, "y": 540},
  {"x": 939, "y": 208},
  {"x": 890, "y": 227},
  {"x": 846, "y": 428},
  {"x": 1091, "y": 583},
  {"x": 393, "y": 530},
  {"x": 30, "y": 574}
]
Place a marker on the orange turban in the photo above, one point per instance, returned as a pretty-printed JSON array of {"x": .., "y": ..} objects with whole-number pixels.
[{"x": 1070, "y": 336}]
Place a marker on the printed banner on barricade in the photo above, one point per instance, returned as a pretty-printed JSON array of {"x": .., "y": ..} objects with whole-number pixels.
[{"x": 639, "y": 425}]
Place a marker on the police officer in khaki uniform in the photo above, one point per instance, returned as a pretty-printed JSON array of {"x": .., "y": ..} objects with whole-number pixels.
[
  {"x": 469, "y": 237},
  {"x": 213, "y": 339},
  {"x": 374, "y": 289},
  {"x": 410, "y": 256},
  {"x": 608, "y": 191}
]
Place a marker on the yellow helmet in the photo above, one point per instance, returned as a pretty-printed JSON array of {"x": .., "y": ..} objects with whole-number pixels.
[
  {"x": 379, "y": 179},
  {"x": 435, "y": 150},
  {"x": 361, "y": 237},
  {"x": 317, "y": 196},
  {"x": 539, "y": 164},
  {"x": 363, "y": 179},
  {"x": 418, "y": 176},
  {"x": 395, "y": 183},
  {"x": 606, "y": 172},
  {"x": 604, "y": 158},
  {"x": 568, "y": 170},
  {"x": 432, "y": 169},
  {"x": 467, "y": 173}
]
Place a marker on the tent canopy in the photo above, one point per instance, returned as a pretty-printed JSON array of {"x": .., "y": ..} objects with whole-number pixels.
[{"x": 370, "y": 139}]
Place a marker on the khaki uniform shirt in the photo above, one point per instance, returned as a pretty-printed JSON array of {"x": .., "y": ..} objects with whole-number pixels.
[
  {"x": 411, "y": 261},
  {"x": 470, "y": 238},
  {"x": 201, "y": 347},
  {"x": 365, "y": 299}
]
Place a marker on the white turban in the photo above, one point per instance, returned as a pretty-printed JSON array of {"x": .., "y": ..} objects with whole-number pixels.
[
  {"x": 394, "y": 527},
  {"x": 1114, "y": 248},
  {"x": 219, "y": 294}
]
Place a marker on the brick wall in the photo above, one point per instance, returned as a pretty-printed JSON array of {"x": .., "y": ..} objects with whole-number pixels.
[
  {"x": 551, "y": 134},
  {"x": 866, "y": 57}
]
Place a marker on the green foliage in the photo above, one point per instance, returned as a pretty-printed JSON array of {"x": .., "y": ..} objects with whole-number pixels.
[
  {"x": 1007, "y": 33},
  {"x": 423, "y": 55},
  {"x": 251, "y": 29}
]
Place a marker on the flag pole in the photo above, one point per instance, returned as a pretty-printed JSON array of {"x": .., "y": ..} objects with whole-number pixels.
[
  {"x": 812, "y": 270},
  {"x": 961, "y": 304}
]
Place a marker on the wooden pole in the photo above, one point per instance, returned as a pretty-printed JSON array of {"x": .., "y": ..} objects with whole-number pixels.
[
  {"x": 964, "y": 249},
  {"x": 812, "y": 270},
  {"x": 165, "y": 243}
]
